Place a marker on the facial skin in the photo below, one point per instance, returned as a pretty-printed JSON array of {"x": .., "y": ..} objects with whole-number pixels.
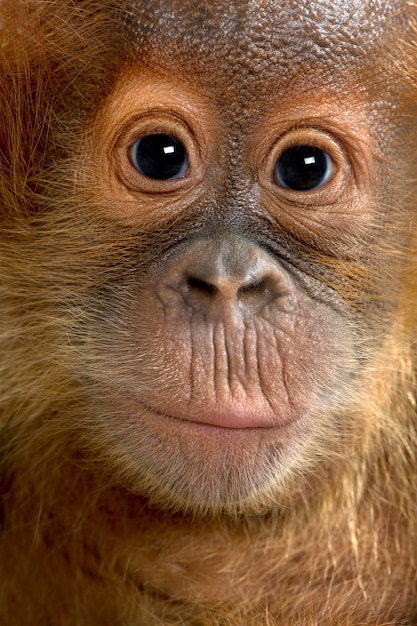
[
  {"x": 237, "y": 344},
  {"x": 207, "y": 313}
]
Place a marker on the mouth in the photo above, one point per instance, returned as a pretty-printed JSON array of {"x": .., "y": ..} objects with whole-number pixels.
[
  {"x": 244, "y": 416},
  {"x": 229, "y": 420},
  {"x": 189, "y": 453}
]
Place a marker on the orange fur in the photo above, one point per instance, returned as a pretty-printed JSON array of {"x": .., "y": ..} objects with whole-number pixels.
[{"x": 78, "y": 546}]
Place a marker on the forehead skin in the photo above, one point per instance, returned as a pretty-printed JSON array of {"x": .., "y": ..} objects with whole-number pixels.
[{"x": 245, "y": 41}]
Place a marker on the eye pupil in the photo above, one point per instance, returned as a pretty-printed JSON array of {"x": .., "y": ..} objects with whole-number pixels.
[
  {"x": 303, "y": 168},
  {"x": 160, "y": 157}
]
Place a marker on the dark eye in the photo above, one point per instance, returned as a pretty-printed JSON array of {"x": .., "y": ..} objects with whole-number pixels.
[
  {"x": 303, "y": 168},
  {"x": 160, "y": 157}
]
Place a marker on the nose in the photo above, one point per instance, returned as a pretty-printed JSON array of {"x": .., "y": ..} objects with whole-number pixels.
[{"x": 224, "y": 272}]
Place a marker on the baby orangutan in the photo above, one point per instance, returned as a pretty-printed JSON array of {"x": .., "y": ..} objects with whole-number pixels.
[{"x": 208, "y": 303}]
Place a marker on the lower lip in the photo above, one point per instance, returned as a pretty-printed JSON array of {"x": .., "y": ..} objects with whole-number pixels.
[
  {"x": 226, "y": 420},
  {"x": 213, "y": 432}
]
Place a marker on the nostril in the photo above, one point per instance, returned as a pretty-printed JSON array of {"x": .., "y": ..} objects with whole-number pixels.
[
  {"x": 257, "y": 292},
  {"x": 198, "y": 293},
  {"x": 251, "y": 294},
  {"x": 222, "y": 277},
  {"x": 219, "y": 277},
  {"x": 200, "y": 286},
  {"x": 255, "y": 287}
]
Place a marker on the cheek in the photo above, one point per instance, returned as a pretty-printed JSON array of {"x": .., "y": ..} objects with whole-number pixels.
[{"x": 207, "y": 410}]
